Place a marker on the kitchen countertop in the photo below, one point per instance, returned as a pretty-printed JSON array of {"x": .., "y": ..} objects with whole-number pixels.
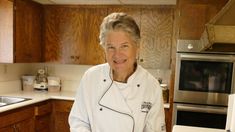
[
  {"x": 180, "y": 128},
  {"x": 35, "y": 97},
  {"x": 39, "y": 96}
]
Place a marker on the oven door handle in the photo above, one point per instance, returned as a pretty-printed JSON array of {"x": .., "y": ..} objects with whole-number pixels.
[{"x": 202, "y": 108}]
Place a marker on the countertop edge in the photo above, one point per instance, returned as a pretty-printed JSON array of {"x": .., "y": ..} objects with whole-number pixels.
[{"x": 39, "y": 96}]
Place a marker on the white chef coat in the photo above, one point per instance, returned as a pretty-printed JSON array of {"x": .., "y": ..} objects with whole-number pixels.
[{"x": 100, "y": 106}]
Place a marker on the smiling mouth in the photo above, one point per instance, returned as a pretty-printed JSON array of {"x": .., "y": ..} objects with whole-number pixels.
[{"x": 119, "y": 61}]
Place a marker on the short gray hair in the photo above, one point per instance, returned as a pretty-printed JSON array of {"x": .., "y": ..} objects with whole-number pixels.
[{"x": 119, "y": 21}]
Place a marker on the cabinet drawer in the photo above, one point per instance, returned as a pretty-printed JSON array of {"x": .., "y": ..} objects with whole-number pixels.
[
  {"x": 43, "y": 108},
  {"x": 7, "y": 129},
  {"x": 61, "y": 122},
  {"x": 17, "y": 115}
]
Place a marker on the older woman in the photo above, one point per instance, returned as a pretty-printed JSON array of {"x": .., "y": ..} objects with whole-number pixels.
[{"x": 119, "y": 96}]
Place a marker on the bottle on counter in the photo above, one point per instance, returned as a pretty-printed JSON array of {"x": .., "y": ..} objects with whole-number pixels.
[{"x": 165, "y": 92}]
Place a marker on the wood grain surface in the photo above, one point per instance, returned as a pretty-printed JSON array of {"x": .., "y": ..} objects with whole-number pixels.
[
  {"x": 28, "y": 31},
  {"x": 71, "y": 34},
  {"x": 156, "y": 33},
  {"x": 193, "y": 15}
]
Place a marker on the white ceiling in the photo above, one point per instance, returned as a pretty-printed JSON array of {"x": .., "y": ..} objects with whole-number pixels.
[{"x": 109, "y": 2}]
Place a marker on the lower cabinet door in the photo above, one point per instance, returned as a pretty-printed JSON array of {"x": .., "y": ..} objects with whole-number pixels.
[
  {"x": 168, "y": 120},
  {"x": 43, "y": 123},
  {"x": 61, "y": 110},
  {"x": 25, "y": 126},
  {"x": 8, "y": 129},
  {"x": 61, "y": 122}
]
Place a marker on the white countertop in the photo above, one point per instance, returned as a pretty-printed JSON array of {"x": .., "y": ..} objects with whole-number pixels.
[
  {"x": 35, "y": 97},
  {"x": 180, "y": 128},
  {"x": 39, "y": 96}
]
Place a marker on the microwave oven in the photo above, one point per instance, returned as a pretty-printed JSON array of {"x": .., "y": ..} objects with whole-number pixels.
[{"x": 204, "y": 78}]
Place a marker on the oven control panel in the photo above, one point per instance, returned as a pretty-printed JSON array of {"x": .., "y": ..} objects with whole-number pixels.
[{"x": 188, "y": 46}]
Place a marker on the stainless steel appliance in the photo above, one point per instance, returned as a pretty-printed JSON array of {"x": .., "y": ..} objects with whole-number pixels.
[
  {"x": 199, "y": 115},
  {"x": 205, "y": 73},
  {"x": 204, "y": 78},
  {"x": 203, "y": 82}
]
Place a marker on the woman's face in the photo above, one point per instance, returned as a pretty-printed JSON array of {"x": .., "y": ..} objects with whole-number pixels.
[{"x": 121, "y": 51}]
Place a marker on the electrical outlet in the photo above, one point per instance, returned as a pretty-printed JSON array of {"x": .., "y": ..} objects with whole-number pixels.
[{"x": 5, "y": 68}]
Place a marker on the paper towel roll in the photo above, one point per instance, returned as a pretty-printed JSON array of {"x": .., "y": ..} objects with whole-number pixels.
[{"x": 231, "y": 114}]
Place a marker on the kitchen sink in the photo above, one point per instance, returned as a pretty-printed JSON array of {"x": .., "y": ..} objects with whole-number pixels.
[
  {"x": 7, "y": 100},
  {"x": 2, "y": 104}
]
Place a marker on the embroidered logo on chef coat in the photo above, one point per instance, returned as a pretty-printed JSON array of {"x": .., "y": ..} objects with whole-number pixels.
[{"x": 146, "y": 106}]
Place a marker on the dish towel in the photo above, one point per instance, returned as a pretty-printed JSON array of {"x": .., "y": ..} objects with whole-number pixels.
[{"x": 231, "y": 114}]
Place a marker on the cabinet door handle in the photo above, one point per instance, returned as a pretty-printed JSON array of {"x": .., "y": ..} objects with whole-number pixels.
[
  {"x": 15, "y": 128},
  {"x": 77, "y": 57},
  {"x": 72, "y": 57}
]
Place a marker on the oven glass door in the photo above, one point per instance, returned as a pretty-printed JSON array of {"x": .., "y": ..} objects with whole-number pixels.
[
  {"x": 205, "y": 76},
  {"x": 200, "y": 116}
]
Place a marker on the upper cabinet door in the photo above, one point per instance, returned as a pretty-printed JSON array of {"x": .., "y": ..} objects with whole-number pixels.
[
  {"x": 71, "y": 34},
  {"x": 156, "y": 37},
  {"x": 6, "y": 31},
  {"x": 93, "y": 53},
  {"x": 28, "y": 31},
  {"x": 192, "y": 16}
]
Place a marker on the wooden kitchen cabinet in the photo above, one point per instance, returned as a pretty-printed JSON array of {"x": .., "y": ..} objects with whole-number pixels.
[
  {"x": 27, "y": 31},
  {"x": 70, "y": 39},
  {"x": 42, "y": 113},
  {"x": 22, "y": 126},
  {"x": 61, "y": 110},
  {"x": 18, "y": 120},
  {"x": 71, "y": 34},
  {"x": 25, "y": 126},
  {"x": 168, "y": 119},
  {"x": 156, "y": 37},
  {"x": 20, "y": 31},
  {"x": 10, "y": 128},
  {"x": 192, "y": 16}
]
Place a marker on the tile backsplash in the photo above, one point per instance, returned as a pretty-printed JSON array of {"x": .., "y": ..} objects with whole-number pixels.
[{"x": 70, "y": 75}]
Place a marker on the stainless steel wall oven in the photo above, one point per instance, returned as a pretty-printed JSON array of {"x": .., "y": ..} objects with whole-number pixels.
[
  {"x": 204, "y": 78},
  {"x": 203, "y": 81}
]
